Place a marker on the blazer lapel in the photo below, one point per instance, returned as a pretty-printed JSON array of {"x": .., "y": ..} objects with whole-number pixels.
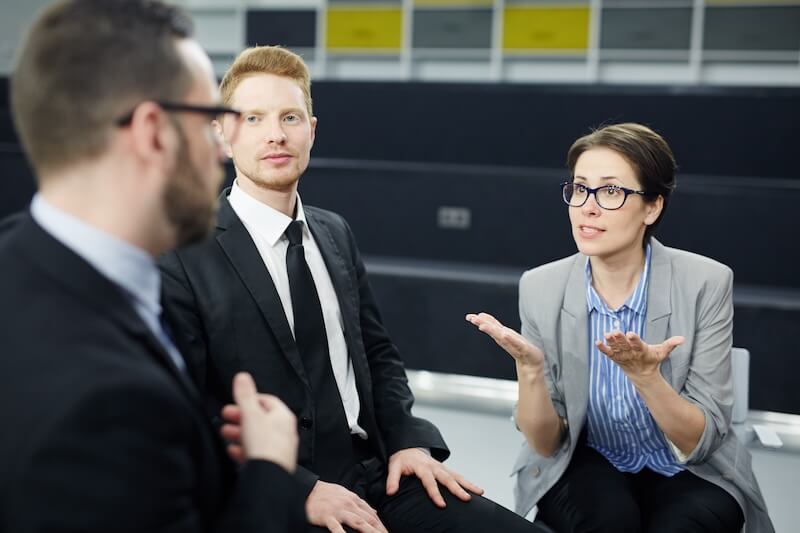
[
  {"x": 659, "y": 308},
  {"x": 237, "y": 244},
  {"x": 78, "y": 277},
  {"x": 346, "y": 292},
  {"x": 575, "y": 345}
]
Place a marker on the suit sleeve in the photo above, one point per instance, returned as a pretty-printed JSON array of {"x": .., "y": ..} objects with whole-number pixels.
[
  {"x": 530, "y": 330},
  {"x": 709, "y": 384},
  {"x": 103, "y": 464},
  {"x": 191, "y": 337},
  {"x": 390, "y": 391}
]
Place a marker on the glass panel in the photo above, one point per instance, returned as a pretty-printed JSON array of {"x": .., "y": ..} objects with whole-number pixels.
[{"x": 452, "y": 28}]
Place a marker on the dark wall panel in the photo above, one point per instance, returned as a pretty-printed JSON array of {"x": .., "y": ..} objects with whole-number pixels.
[
  {"x": 293, "y": 29},
  {"x": 729, "y": 132}
]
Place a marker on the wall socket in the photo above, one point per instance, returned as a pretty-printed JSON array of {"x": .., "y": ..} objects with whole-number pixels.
[{"x": 453, "y": 217}]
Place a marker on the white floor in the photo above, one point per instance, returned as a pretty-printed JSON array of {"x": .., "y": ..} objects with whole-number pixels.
[{"x": 484, "y": 447}]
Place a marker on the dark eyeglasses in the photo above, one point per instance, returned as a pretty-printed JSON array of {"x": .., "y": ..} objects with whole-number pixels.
[
  {"x": 211, "y": 111},
  {"x": 609, "y": 197}
]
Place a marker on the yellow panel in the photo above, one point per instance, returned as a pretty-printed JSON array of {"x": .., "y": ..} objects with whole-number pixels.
[
  {"x": 378, "y": 28},
  {"x": 546, "y": 28}
]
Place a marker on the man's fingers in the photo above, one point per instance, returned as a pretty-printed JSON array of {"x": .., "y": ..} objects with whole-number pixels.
[
  {"x": 236, "y": 453},
  {"x": 452, "y": 485},
  {"x": 366, "y": 507},
  {"x": 231, "y": 432},
  {"x": 361, "y": 523},
  {"x": 244, "y": 391},
  {"x": 432, "y": 488},
  {"x": 231, "y": 413},
  {"x": 468, "y": 485},
  {"x": 334, "y": 526},
  {"x": 392, "y": 479}
]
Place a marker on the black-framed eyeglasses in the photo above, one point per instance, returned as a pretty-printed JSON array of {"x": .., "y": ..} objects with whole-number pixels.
[
  {"x": 609, "y": 197},
  {"x": 211, "y": 111}
]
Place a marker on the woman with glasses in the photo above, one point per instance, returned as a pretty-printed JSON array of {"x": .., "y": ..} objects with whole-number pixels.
[{"x": 623, "y": 363}]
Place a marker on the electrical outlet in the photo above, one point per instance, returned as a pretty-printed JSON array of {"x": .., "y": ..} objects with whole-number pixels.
[{"x": 451, "y": 217}]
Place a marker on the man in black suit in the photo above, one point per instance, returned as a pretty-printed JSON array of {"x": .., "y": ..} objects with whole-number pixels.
[
  {"x": 103, "y": 430},
  {"x": 281, "y": 292}
]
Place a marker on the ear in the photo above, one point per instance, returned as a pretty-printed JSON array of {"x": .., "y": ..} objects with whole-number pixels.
[
  {"x": 653, "y": 210},
  {"x": 220, "y": 133},
  {"x": 313, "y": 129},
  {"x": 152, "y": 138}
]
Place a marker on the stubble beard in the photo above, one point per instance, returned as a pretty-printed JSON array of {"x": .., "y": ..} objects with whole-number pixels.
[{"x": 190, "y": 209}]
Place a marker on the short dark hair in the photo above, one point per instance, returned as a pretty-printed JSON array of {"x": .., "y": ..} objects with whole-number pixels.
[
  {"x": 86, "y": 62},
  {"x": 646, "y": 151}
]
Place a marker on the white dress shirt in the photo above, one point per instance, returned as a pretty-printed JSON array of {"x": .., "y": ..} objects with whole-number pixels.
[{"x": 266, "y": 227}]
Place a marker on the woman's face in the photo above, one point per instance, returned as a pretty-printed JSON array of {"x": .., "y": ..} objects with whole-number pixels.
[{"x": 600, "y": 232}]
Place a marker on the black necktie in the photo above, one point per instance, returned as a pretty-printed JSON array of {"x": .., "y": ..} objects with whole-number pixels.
[{"x": 333, "y": 446}]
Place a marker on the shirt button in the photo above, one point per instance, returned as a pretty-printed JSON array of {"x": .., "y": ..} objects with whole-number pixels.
[
  {"x": 306, "y": 422},
  {"x": 616, "y": 324},
  {"x": 535, "y": 471}
]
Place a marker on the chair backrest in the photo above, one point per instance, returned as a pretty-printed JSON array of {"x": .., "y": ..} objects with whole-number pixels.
[{"x": 740, "y": 365}]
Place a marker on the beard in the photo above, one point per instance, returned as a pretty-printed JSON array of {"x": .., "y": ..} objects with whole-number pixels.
[{"x": 190, "y": 209}]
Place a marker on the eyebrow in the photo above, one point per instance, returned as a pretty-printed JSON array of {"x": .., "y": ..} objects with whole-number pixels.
[
  {"x": 259, "y": 111},
  {"x": 604, "y": 178}
]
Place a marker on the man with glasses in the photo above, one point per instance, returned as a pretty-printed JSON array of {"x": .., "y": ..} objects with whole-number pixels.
[{"x": 103, "y": 428}]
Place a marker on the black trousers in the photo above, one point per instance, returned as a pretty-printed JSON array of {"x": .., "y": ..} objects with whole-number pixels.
[
  {"x": 594, "y": 496},
  {"x": 411, "y": 510}
]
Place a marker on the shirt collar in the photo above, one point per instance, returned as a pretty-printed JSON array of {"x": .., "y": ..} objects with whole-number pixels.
[
  {"x": 128, "y": 266},
  {"x": 257, "y": 216},
  {"x": 636, "y": 302}
]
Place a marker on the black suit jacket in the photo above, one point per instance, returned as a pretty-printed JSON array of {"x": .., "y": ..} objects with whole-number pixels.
[
  {"x": 101, "y": 432},
  {"x": 226, "y": 302}
]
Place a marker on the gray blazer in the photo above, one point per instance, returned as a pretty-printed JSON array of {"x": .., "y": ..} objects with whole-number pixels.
[{"x": 688, "y": 295}]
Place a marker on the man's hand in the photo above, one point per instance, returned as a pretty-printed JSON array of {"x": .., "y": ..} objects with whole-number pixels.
[
  {"x": 259, "y": 426},
  {"x": 639, "y": 360},
  {"x": 524, "y": 353},
  {"x": 413, "y": 461},
  {"x": 332, "y": 506}
]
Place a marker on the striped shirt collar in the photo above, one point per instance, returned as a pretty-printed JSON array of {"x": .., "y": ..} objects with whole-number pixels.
[{"x": 636, "y": 302}]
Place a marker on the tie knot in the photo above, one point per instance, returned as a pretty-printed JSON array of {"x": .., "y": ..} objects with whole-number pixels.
[{"x": 295, "y": 233}]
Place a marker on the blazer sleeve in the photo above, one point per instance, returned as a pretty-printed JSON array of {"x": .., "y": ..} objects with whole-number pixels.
[
  {"x": 708, "y": 383},
  {"x": 391, "y": 394},
  {"x": 530, "y": 330},
  {"x": 108, "y": 465},
  {"x": 181, "y": 309}
]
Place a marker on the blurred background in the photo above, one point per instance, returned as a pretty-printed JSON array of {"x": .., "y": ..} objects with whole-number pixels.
[{"x": 444, "y": 126}]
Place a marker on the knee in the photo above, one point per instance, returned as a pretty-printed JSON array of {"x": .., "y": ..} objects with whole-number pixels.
[
  {"x": 622, "y": 519},
  {"x": 697, "y": 515},
  {"x": 619, "y": 516}
]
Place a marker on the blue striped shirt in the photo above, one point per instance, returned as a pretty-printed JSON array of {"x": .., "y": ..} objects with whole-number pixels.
[{"x": 619, "y": 425}]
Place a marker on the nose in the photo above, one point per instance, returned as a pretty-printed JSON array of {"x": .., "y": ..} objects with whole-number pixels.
[
  {"x": 275, "y": 133},
  {"x": 590, "y": 207}
]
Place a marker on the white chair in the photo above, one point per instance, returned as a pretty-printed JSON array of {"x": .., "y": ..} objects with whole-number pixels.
[{"x": 740, "y": 370}]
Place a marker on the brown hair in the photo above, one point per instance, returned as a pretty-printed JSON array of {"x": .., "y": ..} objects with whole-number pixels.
[
  {"x": 84, "y": 64},
  {"x": 645, "y": 150},
  {"x": 267, "y": 60}
]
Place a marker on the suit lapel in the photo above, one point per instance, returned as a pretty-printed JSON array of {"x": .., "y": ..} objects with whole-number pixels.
[
  {"x": 659, "y": 309},
  {"x": 80, "y": 278},
  {"x": 346, "y": 292},
  {"x": 238, "y": 245},
  {"x": 575, "y": 343}
]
